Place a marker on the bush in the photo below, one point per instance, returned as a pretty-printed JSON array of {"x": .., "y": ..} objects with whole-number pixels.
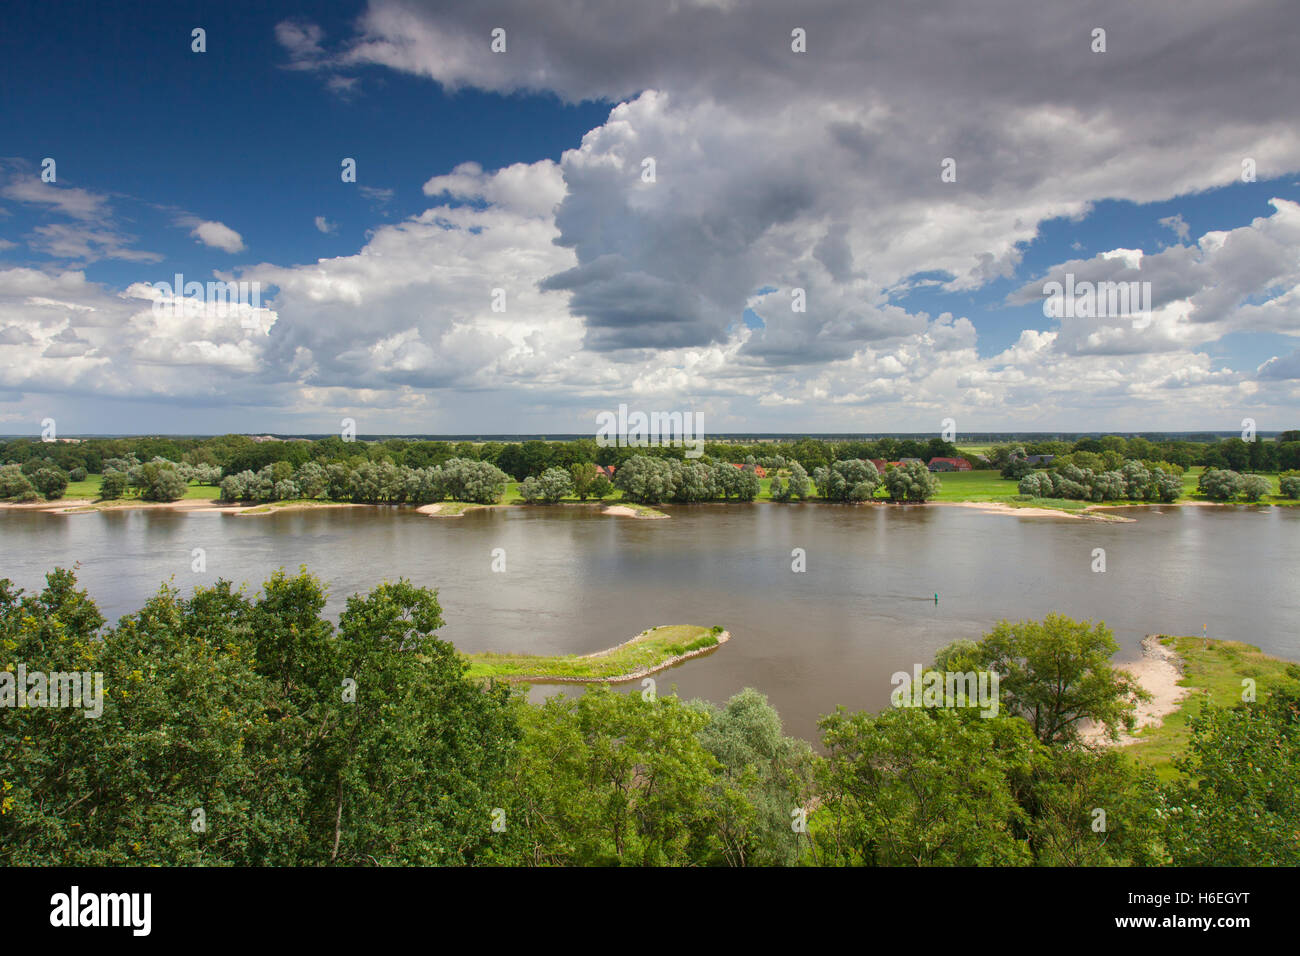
[
  {"x": 163, "y": 483},
  {"x": 852, "y": 480},
  {"x": 112, "y": 486},
  {"x": 911, "y": 482},
  {"x": 1290, "y": 485},
  {"x": 13, "y": 483},
  {"x": 1254, "y": 487},
  {"x": 600, "y": 487},
  {"x": 1036, "y": 484},
  {"x": 1219, "y": 484},
  {"x": 552, "y": 485},
  {"x": 50, "y": 482},
  {"x": 1017, "y": 468},
  {"x": 77, "y": 474}
]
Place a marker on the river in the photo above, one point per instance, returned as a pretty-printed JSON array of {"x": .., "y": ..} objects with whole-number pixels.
[{"x": 576, "y": 581}]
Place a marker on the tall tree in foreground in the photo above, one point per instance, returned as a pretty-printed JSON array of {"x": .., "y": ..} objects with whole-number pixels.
[
  {"x": 611, "y": 778},
  {"x": 1240, "y": 805},
  {"x": 1055, "y": 673},
  {"x": 914, "y": 787}
]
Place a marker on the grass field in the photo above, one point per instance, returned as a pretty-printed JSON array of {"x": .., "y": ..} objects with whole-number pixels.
[
  {"x": 90, "y": 489},
  {"x": 1215, "y": 670},
  {"x": 649, "y": 650}
]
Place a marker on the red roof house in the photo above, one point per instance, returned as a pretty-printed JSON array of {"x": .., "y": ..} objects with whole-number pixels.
[{"x": 949, "y": 464}]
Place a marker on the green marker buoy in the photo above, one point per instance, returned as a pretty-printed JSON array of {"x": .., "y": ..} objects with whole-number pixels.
[{"x": 936, "y": 597}]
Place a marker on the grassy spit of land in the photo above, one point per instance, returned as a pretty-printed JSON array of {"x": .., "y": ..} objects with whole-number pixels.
[
  {"x": 649, "y": 651},
  {"x": 1213, "y": 672}
]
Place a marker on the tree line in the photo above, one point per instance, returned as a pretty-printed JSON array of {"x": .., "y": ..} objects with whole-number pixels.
[
  {"x": 238, "y": 453},
  {"x": 242, "y": 730}
]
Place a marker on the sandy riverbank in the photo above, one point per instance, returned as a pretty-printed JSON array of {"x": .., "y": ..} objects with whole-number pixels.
[
  {"x": 627, "y": 511},
  {"x": 999, "y": 508},
  {"x": 1158, "y": 672},
  {"x": 85, "y": 506}
]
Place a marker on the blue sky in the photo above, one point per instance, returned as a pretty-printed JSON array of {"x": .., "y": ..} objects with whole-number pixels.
[{"x": 522, "y": 171}]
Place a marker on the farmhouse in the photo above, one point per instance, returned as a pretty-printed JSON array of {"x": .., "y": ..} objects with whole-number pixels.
[{"x": 949, "y": 464}]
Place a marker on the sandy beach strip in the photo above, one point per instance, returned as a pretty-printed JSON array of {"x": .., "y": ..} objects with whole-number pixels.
[{"x": 1158, "y": 672}]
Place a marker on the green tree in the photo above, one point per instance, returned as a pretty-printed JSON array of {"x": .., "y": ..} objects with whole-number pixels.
[
  {"x": 1254, "y": 487},
  {"x": 50, "y": 482},
  {"x": 582, "y": 475},
  {"x": 763, "y": 776},
  {"x": 112, "y": 485},
  {"x": 548, "y": 488},
  {"x": 1240, "y": 802},
  {"x": 914, "y": 787},
  {"x": 1219, "y": 484},
  {"x": 911, "y": 482},
  {"x": 612, "y": 778},
  {"x": 1056, "y": 674},
  {"x": 162, "y": 483}
]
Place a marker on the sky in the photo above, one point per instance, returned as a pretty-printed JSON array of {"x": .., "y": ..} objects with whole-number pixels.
[{"x": 839, "y": 216}]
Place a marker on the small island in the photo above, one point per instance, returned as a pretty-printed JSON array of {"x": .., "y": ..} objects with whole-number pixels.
[{"x": 650, "y": 651}]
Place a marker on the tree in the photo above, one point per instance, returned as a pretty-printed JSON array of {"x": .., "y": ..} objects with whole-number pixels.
[
  {"x": 911, "y": 482},
  {"x": 15, "y": 484},
  {"x": 1036, "y": 484},
  {"x": 1168, "y": 487},
  {"x": 1219, "y": 484},
  {"x": 763, "y": 776},
  {"x": 297, "y": 746},
  {"x": 1064, "y": 789},
  {"x": 1254, "y": 487},
  {"x": 50, "y": 482},
  {"x": 916, "y": 787},
  {"x": 311, "y": 480},
  {"x": 408, "y": 772},
  {"x": 1056, "y": 674},
  {"x": 112, "y": 485},
  {"x": 613, "y": 778},
  {"x": 1290, "y": 486},
  {"x": 1241, "y": 801},
  {"x": 583, "y": 474},
  {"x": 799, "y": 486},
  {"x": 645, "y": 479},
  {"x": 162, "y": 483},
  {"x": 852, "y": 480},
  {"x": 478, "y": 481},
  {"x": 601, "y": 486},
  {"x": 552, "y": 485}
]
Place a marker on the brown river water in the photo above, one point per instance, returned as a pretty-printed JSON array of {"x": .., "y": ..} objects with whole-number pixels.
[{"x": 577, "y": 581}]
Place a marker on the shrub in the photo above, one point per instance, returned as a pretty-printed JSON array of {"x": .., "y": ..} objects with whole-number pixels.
[
  {"x": 51, "y": 482},
  {"x": 112, "y": 485},
  {"x": 1219, "y": 484},
  {"x": 1254, "y": 487}
]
